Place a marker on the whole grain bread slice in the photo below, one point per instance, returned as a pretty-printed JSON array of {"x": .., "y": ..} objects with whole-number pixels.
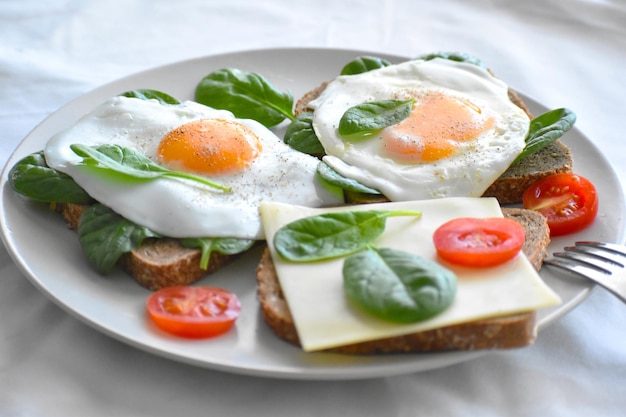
[
  {"x": 158, "y": 263},
  {"x": 504, "y": 332},
  {"x": 553, "y": 159}
]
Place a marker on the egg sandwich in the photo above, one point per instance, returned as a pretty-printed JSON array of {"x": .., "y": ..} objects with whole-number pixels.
[
  {"x": 466, "y": 134},
  {"x": 170, "y": 190}
]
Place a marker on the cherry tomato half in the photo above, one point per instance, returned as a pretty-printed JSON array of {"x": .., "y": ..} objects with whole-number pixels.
[
  {"x": 193, "y": 312},
  {"x": 568, "y": 201},
  {"x": 479, "y": 242}
]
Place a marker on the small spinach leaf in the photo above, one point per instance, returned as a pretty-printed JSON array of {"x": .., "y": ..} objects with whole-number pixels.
[
  {"x": 223, "y": 245},
  {"x": 334, "y": 178},
  {"x": 301, "y": 136},
  {"x": 247, "y": 95},
  {"x": 331, "y": 235},
  {"x": 147, "y": 94},
  {"x": 398, "y": 286},
  {"x": 453, "y": 56},
  {"x": 364, "y": 119},
  {"x": 105, "y": 236},
  {"x": 33, "y": 178},
  {"x": 545, "y": 129},
  {"x": 364, "y": 64},
  {"x": 123, "y": 164}
]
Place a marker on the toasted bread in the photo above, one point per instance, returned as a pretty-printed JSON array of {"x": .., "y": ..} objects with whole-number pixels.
[
  {"x": 553, "y": 159},
  {"x": 508, "y": 189},
  {"x": 510, "y": 331},
  {"x": 157, "y": 263}
]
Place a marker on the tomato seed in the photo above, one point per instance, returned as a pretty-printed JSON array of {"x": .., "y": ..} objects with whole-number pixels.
[{"x": 172, "y": 306}]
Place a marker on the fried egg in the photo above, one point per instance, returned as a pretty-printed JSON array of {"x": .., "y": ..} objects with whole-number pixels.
[
  {"x": 462, "y": 133},
  {"x": 237, "y": 153}
]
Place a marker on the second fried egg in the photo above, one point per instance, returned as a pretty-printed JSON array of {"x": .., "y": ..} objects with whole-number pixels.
[{"x": 462, "y": 133}]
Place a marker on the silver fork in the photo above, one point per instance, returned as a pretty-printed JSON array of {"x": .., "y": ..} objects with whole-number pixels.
[{"x": 603, "y": 263}]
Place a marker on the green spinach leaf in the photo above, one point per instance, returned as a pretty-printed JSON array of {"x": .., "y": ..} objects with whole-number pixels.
[
  {"x": 545, "y": 129},
  {"x": 364, "y": 119},
  {"x": 398, "y": 286},
  {"x": 105, "y": 236},
  {"x": 364, "y": 64},
  {"x": 334, "y": 178},
  {"x": 331, "y": 235},
  {"x": 301, "y": 136},
  {"x": 453, "y": 56},
  {"x": 223, "y": 245},
  {"x": 247, "y": 95},
  {"x": 147, "y": 94},
  {"x": 126, "y": 165},
  {"x": 33, "y": 178}
]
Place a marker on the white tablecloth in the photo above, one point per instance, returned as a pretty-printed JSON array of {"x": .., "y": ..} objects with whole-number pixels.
[{"x": 562, "y": 53}]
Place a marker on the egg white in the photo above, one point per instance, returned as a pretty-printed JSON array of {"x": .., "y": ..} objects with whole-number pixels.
[
  {"x": 180, "y": 208},
  {"x": 466, "y": 173}
]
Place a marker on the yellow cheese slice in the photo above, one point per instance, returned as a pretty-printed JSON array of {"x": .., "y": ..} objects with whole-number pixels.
[{"x": 314, "y": 291}]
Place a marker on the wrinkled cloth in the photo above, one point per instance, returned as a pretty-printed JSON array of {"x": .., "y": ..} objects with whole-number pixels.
[{"x": 560, "y": 53}]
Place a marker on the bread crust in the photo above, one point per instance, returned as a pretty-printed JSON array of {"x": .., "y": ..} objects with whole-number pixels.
[
  {"x": 160, "y": 263},
  {"x": 512, "y": 331},
  {"x": 537, "y": 233}
]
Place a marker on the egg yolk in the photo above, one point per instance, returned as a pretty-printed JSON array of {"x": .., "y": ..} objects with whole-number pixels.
[
  {"x": 210, "y": 147},
  {"x": 434, "y": 129}
]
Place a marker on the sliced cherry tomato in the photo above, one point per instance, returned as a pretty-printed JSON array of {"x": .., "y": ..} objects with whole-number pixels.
[
  {"x": 193, "y": 312},
  {"x": 479, "y": 242},
  {"x": 568, "y": 201}
]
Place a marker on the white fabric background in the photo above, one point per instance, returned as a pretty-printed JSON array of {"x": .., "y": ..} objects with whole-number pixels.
[{"x": 562, "y": 53}]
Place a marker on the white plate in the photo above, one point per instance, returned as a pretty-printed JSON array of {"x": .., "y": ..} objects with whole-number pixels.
[{"x": 50, "y": 256}]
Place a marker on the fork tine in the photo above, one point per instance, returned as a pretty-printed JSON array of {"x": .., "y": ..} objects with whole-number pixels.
[
  {"x": 597, "y": 264},
  {"x": 609, "y": 247},
  {"x": 602, "y": 263},
  {"x": 595, "y": 254},
  {"x": 575, "y": 266},
  {"x": 590, "y": 273}
]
